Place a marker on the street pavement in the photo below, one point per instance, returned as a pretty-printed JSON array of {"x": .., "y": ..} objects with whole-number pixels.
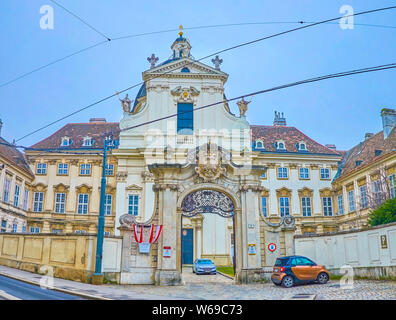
[
  {"x": 217, "y": 287},
  {"x": 11, "y": 289}
]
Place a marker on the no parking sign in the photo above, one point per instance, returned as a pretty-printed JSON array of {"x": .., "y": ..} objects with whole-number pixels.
[{"x": 272, "y": 247}]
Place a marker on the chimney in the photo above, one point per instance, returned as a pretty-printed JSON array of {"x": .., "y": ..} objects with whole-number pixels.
[
  {"x": 279, "y": 119},
  {"x": 368, "y": 135},
  {"x": 388, "y": 120},
  {"x": 331, "y": 146},
  {"x": 1, "y": 125},
  {"x": 97, "y": 120}
]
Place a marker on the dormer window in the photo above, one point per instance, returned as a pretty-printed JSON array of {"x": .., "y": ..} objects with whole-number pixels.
[
  {"x": 87, "y": 142},
  {"x": 280, "y": 145},
  {"x": 65, "y": 142},
  {"x": 185, "y": 69},
  {"x": 259, "y": 144},
  {"x": 302, "y": 146}
]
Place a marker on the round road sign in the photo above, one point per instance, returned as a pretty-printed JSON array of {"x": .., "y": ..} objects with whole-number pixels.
[{"x": 272, "y": 247}]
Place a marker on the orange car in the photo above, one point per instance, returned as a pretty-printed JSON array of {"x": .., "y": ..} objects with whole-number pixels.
[{"x": 297, "y": 269}]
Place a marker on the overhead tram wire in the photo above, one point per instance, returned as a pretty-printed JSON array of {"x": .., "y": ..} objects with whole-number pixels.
[
  {"x": 172, "y": 30},
  {"x": 288, "y": 85},
  {"x": 205, "y": 57},
  {"x": 292, "y": 84},
  {"x": 83, "y": 21}
]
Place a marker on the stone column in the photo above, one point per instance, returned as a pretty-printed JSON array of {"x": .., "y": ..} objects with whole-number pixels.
[
  {"x": 168, "y": 268},
  {"x": 120, "y": 199}
]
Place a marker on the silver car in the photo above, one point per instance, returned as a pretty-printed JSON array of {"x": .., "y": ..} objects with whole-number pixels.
[{"x": 202, "y": 266}]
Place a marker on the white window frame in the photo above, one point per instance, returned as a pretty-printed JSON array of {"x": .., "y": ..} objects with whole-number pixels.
[
  {"x": 14, "y": 228},
  {"x": 351, "y": 201},
  {"x": 306, "y": 206},
  {"x": 60, "y": 202},
  {"x": 133, "y": 208},
  {"x": 340, "y": 201},
  {"x": 262, "y": 144},
  {"x": 109, "y": 169},
  {"x": 38, "y": 201},
  {"x": 280, "y": 142},
  {"x": 41, "y": 168},
  {"x": 304, "y": 175},
  {"x": 284, "y": 206},
  {"x": 85, "y": 169},
  {"x": 363, "y": 197},
  {"x": 25, "y": 199},
  {"x": 67, "y": 140},
  {"x": 87, "y": 142},
  {"x": 63, "y": 168},
  {"x": 327, "y": 203},
  {"x": 325, "y": 173},
  {"x": 16, "y": 195},
  {"x": 264, "y": 206},
  {"x": 83, "y": 203},
  {"x": 6, "y": 191},
  {"x": 392, "y": 185},
  {"x": 282, "y": 174},
  {"x": 302, "y": 144},
  {"x": 34, "y": 230},
  {"x": 108, "y": 204}
]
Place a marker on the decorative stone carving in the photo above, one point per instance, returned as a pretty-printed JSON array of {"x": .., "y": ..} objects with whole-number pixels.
[
  {"x": 147, "y": 176},
  {"x": 209, "y": 163},
  {"x": 253, "y": 187},
  {"x": 128, "y": 220},
  {"x": 125, "y": 103},
  {"x": 134, "y": 187},
  {"x": 217, "y": 62},
  {"x": 185, "y": 94},
  {"x": 121, "y": 176},
  {"x": 243, "y": 107},
  {"x": 287, "y": 221},
  {"x": 153, "y": 60},
  {"x": 164, "y": 186}
]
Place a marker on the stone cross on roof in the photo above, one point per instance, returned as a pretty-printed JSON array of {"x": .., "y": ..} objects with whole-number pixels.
[
  {"x": 153, "y": 60},
  {"x": 217, "y": 62}
]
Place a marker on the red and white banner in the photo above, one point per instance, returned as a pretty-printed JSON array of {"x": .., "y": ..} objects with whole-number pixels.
[{"x": 152, "y": 238}]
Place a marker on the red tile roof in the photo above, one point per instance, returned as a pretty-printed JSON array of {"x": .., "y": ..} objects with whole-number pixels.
[
  {"x": 76, "y": 133},
  {"x": 269, "y": 135},
  {"x": 14, "y": 157},
  {"x": 365, "y": 152}
]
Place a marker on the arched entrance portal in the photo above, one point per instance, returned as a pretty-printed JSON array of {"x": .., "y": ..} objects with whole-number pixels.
[{"x": 214, "y": 233}]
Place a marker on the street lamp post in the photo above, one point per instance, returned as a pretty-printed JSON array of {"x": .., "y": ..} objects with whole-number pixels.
[{"x": 108, "y": 143}]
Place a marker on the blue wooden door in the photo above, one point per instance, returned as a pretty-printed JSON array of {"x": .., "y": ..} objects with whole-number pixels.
[{"x": 187, "y": 246}]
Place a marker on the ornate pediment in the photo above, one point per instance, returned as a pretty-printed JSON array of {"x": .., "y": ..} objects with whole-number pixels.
[{"x": 134, "y": 187}]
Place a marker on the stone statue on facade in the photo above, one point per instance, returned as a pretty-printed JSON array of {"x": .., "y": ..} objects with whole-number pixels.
[
  {"x": 243, "y": 107},
  {"x": 126, "y": 103}
]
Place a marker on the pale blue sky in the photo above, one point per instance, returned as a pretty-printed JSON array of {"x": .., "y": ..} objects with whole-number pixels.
[{"x": 337, "y": 111}]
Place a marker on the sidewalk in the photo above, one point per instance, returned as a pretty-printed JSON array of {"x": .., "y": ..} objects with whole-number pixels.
[{"x": 84, "y": 290}]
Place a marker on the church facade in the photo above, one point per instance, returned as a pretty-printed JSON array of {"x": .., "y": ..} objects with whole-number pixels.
[{"x": 222, "y": 188}]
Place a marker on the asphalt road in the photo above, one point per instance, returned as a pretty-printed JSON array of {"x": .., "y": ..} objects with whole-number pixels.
[{"x": 11, "y": 289}]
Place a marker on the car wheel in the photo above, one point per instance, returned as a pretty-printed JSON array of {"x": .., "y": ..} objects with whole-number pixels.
[
  {"x": 323, "y": 278},
  {"x": 287, "y": 282}
]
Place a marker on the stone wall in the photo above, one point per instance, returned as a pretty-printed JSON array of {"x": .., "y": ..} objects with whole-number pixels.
[
  {"x": 371, "y": 252},
  {"x": 70, "y": 257}
]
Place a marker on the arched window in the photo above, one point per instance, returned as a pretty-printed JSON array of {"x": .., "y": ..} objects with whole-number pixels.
[
  {"x": 259, "y": 144},
  {"x": 280, "y": 145},
  {"x": 185, "y": 69}
]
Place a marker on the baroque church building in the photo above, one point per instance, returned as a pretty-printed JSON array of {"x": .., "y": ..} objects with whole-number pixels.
[{"x": 222, "y": 188}]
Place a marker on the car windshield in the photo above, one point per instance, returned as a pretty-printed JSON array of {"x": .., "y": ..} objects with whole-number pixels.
[
  {"x": 204, "y": 262},
  {"x": 281, "y": 261}
]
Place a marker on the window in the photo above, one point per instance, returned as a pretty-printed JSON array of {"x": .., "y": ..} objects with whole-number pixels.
[
  {"x": 306, "y": 206},
  {"x": 25, "y": 199},
  {"x": 302, "y": 146},
  {"x": 60, "y": 201},
  {"x": 327, "y": 206},
  {"x": 264, "y": 175},
  {"x": 185, "y": 69},
  {"x": 82, "y": 207},
  {"x": 280, "y": 145},
  {"x": 133, "y": 204},
  {"x": 377, "y": 192},
  {"x": 34, "y": 230},
  {"x": 16, "y": 195},
  {"x": 109, "y": 170},
  {"x": 87, "y": 142},
  {"x": 363, "y": 197},
  {"x": 185, "y": 118},
  {"x": 3, "y": 226},
  {"x": 282, "y": 173},
  {"x": 107, "y": 233},
  {"x": 65, "y": 142},
  {"x": 38, "y": 201},
  {"x": 340, "y": 204},
  {"x": 63, "y": 168},
  {"x": 85, "y": 169},
  {"x": 56, "y": 230},
  {"x": 304, "y": 173},
  {"x": 324, "y": 173},
  {"x": 264, "y": 206},
  {"x": 107, "y": 206},
  {"x": 41, "y": 168},
  {"x": 23, "y": 229},
  {"x": 14, "y": 228},
  {"x": 351, "y": 200},
  {"x": 284, "y": 206},
  {"x": 259, "y": 144},
  {"x": 392, "y": 186},
  {"x": 6, "y": 194}
]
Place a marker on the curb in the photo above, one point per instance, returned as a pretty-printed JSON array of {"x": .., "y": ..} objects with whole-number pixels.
[
  {"x": 74, "y": 293},
  {"x": 225, "y": 275}
]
